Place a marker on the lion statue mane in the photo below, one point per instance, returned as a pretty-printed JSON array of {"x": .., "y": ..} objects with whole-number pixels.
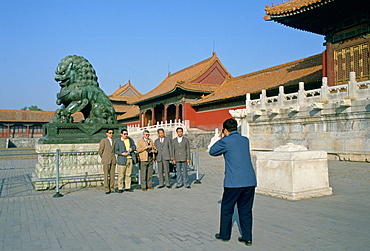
[{"x": 80, "y": 92}]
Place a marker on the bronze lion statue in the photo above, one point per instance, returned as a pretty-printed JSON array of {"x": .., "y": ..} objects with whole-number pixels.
[{"x": 80, "y": 92}]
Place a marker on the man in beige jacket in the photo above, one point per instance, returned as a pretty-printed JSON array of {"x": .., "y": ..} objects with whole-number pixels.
[
  {"x": 108, "y": 158},
  {"x": 146, "y": 150}
]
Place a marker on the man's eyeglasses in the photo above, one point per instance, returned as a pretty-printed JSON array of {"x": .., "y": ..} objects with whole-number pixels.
[
  {"x": 147, "y": 134},
  {"x": 110, "y": 132},
  {"x": 124, "y": 133}
]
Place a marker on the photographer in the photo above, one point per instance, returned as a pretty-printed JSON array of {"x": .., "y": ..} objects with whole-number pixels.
[{"x": 239, "y": 183}]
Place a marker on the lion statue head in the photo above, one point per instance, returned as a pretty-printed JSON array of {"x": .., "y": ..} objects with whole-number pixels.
[{"x": 75, "y": 69}]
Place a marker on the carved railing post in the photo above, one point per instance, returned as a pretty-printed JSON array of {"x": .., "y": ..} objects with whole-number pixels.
[
  {"x": 301, "y": 95},
  {"x": 281, "y": 97},
  {"x": 248, "y": 102},
  {"x": 324, "y": 90},
  {"x": 352, "y": 86},
  {"x": 263, "y": 100}
]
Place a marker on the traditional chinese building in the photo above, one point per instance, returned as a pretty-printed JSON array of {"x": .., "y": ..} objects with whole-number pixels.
[
  {"x": 232, "y": 92},
  {"x": 123, "y": 98},
  {"x": 206, "y": 106},
  {"x": 345, "y": 25},
  {"x": 21, "y": 123},
  {"x": 171, "y": 99},
  {"x": 26, "y": 124}
]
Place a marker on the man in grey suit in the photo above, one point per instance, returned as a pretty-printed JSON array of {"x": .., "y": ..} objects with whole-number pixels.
[
  {"x": 181, "y": 157},
  {"x": 164, "y": 153},
  {"x": 108, "y": 158}
]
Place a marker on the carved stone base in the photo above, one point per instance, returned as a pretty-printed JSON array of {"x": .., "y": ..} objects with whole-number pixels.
[{"x": 80, "y": 163}]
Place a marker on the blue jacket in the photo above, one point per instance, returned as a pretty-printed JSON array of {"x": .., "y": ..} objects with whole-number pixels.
[{"x": 239, "y": 170}]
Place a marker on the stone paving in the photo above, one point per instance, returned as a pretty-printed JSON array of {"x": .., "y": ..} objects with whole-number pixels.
[{"x": 187, "y": 219}]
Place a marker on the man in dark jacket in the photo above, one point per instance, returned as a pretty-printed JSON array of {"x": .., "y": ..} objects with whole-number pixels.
[
  {"x": 163, "y": 156},
  {"x": 126, "y": 157},
  {"x": 239, "y": 183},
  {"x": 181, "y": 157}
]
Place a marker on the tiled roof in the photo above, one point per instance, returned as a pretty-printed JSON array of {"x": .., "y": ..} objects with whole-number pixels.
[
  {"x": 25, "y": 116},
  {"x": 134, "y": 111},
  {"x": 9, "y": 116},
  {"x": 122, "y": 108},
  {"x": 184, "y": 79},
  {"x": 292, "y": 7},
  {"x": 123, "y": 98},
  {"x": 303, "y": 70},
  {"x": 122, "y": 91}
]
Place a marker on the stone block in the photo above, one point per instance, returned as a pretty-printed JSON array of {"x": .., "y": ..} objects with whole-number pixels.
[
  {"x": 78, "y": 162},
  {"x": 292, "y": 172}
]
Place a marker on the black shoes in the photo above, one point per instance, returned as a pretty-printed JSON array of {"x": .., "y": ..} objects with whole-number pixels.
[
  {"x": 178, "y": 186},
  {"x": 218, "y": 237},
  {"x": 107, "y": 193},
  {"x": 248, "y": 243},
  {"x": 128, "y": 190},
  {"x": 160, "y": 187},
  {"x": 188, "y": 187},
  {"x": 168, "y": 186}
]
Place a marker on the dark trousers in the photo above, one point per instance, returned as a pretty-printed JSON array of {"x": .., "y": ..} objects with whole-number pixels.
[
  {"x": 146, "y": 173},
  {"x": 243, "y": 197}
]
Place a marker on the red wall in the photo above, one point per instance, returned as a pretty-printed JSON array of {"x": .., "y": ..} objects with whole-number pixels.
[{"x": 208, "y": 120}]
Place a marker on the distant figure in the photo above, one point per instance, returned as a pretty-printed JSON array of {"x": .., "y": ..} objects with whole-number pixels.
[
  {"x": 106, "y": 152},
  {"x": 163, "y": 156},
  {"x": 146, "y": 150},
  {"x": 239, "y": 183},
  {"x": 181, "y": 157},
  {"x": 126, "y": 157}
]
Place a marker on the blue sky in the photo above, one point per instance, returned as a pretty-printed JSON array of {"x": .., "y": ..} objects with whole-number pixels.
[{"x": 136, "y": 40}]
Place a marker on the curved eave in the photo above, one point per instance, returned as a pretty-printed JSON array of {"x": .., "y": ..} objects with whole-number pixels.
[
  {"x": 169, "y": 92},
  {"x": 215, "y": 101},
  {"x": 295, "y": 10}
]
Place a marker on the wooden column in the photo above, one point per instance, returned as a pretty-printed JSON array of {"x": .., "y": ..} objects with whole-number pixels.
[
  {"x": 177, "y": 112},
  {"x": 142, "y": 119},
  {"x": 8, "y": 130},
  {"x": 330, "y": 72},
  {"x": 153, "y": 117},
  {"x": 165, "y": 113},
  {"x": 27, "y": 130}
]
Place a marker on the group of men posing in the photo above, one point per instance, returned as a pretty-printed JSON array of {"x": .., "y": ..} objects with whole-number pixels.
[
  {"x": 162, "y": 150},
  {"x": 239, "y": 183}
]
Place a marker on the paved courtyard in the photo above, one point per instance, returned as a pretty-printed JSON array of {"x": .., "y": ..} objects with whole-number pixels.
[{"x": 187, "y": 219}]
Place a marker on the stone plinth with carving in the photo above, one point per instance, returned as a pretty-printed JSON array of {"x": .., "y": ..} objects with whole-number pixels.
[
  {"x": 292, "y": 172},
  {"x": 78, "y": 162}
]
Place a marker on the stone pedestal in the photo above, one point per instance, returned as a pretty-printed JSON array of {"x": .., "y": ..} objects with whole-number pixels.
[
  {"x": 292, "y": 172},
  {"x": 80, "y": 163}
]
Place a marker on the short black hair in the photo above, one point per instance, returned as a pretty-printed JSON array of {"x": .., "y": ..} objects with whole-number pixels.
[
  {"x": 109, "y": 130},
  {"x": 230, "y": 125},
  {"x": 160, "y": 129},
  {"x": 145, "y": 131},
  {"x": 179, "y": 128},
  {"x": 124, "y": 130}
]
